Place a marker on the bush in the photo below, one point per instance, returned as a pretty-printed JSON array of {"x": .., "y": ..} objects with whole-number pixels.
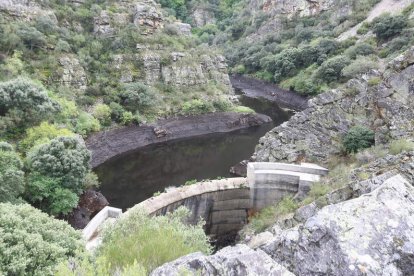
[
  {"x": 361, "y": 49},
  {"x": 25, "y": 102},
  {"x": 63, "y": 157},
  {"x": 331, "y": 70},
  {"x": 86, "y": 124},
  {"x": 358, "y": 138},
  {"x": 32, "y": 243},
  {"x": 360, "y": 66},
  {"x": 152, "y": 241},
  {"x": 387, "y": 26},
  {"x": 102, "y": 112},
  {"x": 398, "y": 146},
  {"x": 137, "y": 96},
  {"x": 42, "y": 134},
  {"x": 268, "y": 216},
  {"x": 197, "y": 107},
  {"x": 11, "y": 174},
  {"x": 243, "y": 109}
]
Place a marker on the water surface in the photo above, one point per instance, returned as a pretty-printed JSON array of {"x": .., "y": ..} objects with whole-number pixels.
[{"x": 136, "y": 176}]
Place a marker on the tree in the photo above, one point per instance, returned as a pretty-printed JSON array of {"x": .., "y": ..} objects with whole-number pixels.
[
  {"x": 32, "y": 243},
  {"x": 387, "y": 26},
  {"x": 64, "y": 158},
  {"x": 358, "y": 138},
  {"x": 42, "y": 134},
  {"x": 331, "y": 70},
  {"x": 11, "y": 174},
  {"x": 24, "y": 102},
  {"x": 136, "y": 96}
]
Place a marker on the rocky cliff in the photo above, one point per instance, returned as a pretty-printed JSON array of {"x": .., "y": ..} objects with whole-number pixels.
[
  {"x": 363, "y": 228},
  {"x": 382, "y": 101}
]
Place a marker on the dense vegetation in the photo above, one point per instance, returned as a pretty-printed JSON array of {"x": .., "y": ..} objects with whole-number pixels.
[
  {"x": 304, "y": 54},
  {"x": 141, "y": 243}
]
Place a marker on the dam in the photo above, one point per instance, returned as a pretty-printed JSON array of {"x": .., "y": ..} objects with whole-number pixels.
[{"x": 224, "y": 204}]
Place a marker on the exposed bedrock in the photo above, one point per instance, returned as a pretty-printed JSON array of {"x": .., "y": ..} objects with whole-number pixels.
[
  {"x": 315, "y": 133},
  {"x": 108, "y": 144},
  {"x": 369, "y": 235}
]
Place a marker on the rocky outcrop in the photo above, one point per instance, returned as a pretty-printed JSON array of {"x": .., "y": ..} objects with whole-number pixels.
[
  {"x": 276, "y": 11},
  {"x": 369, "y": 235},
  {"x": 202, "y": 16},
  {"x": 233, "y": 261},
  {"x": 72, "y": 73},
  {"x": 316, "y": 132},
  {"x": 148, "y": 16},
  {"x": 26, "y": 10},
  {"x": 90, "y": 203}
]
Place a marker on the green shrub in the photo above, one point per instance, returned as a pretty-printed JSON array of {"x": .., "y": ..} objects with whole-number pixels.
[
  {"x": 102, "y": 112},
  {"x": 137, "y": 96},
  {"x": 331, "y": 69},
  {"x": 398, "y": 146},
  {"x": 374, "y": 81},
  {"x": 86, "y": 124},
  {"x": 243, "y": 109},
  {"x": 268, "y": 216},
  {"x": 360, "y": 49},
  {"x": 358, "y": 138},
  {"x": 57, "y": 174},
  {"x": 42, "y": 134},
  {"x": 360, "y": 66},
  {"x": 32, "y": 243},
  {"x": 387, "y": 26},
  {"x": 11, "y": 174},
  {"x": 25, "y": 102},
  {"x": 197, "y": 107},
  {"x": 152, "y": 241}
]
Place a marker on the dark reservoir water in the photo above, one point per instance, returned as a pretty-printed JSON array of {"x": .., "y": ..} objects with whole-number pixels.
[{"x": 136, "y": 176}]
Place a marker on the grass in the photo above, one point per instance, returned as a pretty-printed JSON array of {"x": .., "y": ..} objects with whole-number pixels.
[
  {"x": 398, "y": 146},
  {"x": 152, "y": 241},
  {"x": 243, "y": 109}
]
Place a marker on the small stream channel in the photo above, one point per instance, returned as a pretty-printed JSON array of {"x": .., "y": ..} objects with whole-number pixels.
[{"x": 136, "y": 176}]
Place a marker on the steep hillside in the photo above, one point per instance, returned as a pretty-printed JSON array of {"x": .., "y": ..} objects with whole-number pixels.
[{"x": 128, "y": 58}]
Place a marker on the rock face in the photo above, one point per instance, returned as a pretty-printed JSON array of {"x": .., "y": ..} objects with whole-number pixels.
[
  {"x": 26, "y": 10},
  {"x": 370, "y": 235},
  {"x": 232, "y": 261},
  {"x": 147, "y": 15},
  {"x": 72, "y": 73},
  {"x": 90, "y": 203},
  {"x": 276, "y": 10},
  {"x": 202, "y": 16},
  {"x": 316, "y": 132}
]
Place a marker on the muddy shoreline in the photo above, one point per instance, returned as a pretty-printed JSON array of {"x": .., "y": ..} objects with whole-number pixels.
[
  {"x": 254, "y": 88},
  {"x": 109, "y": 144}
]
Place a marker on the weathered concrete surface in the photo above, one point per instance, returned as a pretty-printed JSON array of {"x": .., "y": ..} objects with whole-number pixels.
[
  {"x": 91, "y": 230},
  {"x": 271, "y": 182},
  {"x": 230, "y": 261},
  {"x": 108, "y": 144},
  {"x": 369, "y": 235},
  {"x": 223, "y": 204}
]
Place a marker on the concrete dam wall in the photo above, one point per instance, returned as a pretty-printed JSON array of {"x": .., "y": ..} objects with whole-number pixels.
[{"x": 225, "y": 204}]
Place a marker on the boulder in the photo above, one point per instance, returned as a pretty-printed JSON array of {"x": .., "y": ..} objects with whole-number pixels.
[
  {"x": 90, "y": 203},
  {"x": 239, "y": 260},
  {"x": 369, "y": 235}
]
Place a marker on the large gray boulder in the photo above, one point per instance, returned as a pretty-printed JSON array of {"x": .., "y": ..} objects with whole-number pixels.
[
  {"x": 239, "y": 260},
  {"x": 369, "y": 235}
]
